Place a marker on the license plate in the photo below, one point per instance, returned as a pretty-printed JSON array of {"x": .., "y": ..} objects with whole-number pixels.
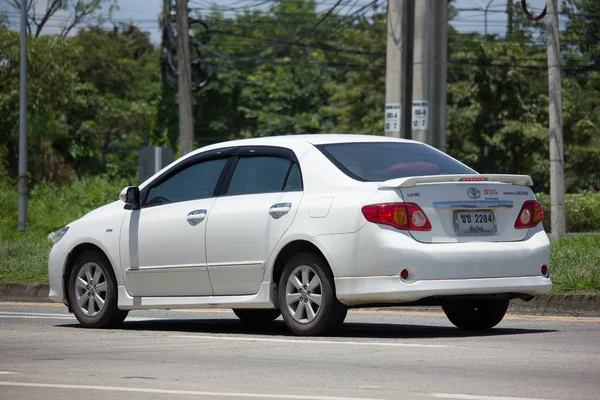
[{"x": 474, "y": 222}]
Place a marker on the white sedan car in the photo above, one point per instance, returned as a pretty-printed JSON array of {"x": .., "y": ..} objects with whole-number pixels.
[{"x": 307, "y": 227}]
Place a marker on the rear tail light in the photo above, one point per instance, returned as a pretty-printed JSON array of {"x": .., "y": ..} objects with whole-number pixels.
[
  {"x": 531, "y": 214},
  {"x": 407, "y": 216}
]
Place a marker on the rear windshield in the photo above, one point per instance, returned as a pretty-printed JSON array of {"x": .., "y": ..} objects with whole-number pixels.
[{"x": 380, "y": 161}]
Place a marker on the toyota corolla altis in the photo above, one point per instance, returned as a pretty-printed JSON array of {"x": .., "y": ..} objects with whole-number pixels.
[{"x": 307, "y": 227}]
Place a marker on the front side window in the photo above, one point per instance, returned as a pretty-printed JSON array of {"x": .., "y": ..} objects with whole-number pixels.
[
  {"x": 380, "y": 161},
  {"x": 195, "y": 182},
  {"x": 264, "y": 174}
]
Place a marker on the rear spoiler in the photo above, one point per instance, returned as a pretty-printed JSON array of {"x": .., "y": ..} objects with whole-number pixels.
[{"x": 522, "y": 180}]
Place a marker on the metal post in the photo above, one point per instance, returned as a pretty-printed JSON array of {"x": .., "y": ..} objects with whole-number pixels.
[
  {"x": 557, "y": 177},
  {"x": 22, "y": 219},
  {"x": 186, "y": 121},
  {"x": 398, "y": 88}
]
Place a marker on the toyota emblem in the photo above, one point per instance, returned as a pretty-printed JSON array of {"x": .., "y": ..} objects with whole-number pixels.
[{"x": 474, "y": 193}]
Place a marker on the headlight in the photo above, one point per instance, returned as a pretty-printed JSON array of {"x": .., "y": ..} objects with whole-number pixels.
[{"x": 56, "y": 236}]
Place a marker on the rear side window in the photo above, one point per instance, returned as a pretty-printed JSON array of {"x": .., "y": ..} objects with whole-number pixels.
[
  {"x": 264, "y": 174},
  {"x": 380, "y": 161}
]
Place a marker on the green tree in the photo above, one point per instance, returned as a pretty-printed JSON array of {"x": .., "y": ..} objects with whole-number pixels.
[{"x": 51, "y": 87}]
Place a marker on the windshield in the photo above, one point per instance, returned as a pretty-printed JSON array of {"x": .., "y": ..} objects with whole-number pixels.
[{"x": 380, "y": 161}]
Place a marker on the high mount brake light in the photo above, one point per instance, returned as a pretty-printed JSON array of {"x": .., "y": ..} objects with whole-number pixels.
[
  {"x": 474, "y": 179},
  {"x": 531, "y": 214},
  {"x": 406, "y": 216}
]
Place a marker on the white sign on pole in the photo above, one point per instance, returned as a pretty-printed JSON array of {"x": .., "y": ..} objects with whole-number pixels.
[
  {"x": 420, "y": 114},
  {"x": 392, "y": 117}
]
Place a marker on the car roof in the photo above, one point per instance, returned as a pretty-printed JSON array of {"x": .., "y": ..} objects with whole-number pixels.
[{"x": 314, "y": 139}]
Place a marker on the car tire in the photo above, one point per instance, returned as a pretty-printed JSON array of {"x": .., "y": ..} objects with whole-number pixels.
[
  {"x": 475, "y": 315},
  {"x": 93, "y": 292},
  {"x": 257, "y": 316},
  {"x": 306, "y": 295}
]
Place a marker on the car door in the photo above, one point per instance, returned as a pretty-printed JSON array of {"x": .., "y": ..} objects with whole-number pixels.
[
  {"x": 165, "y": 239},
  {"x": 260, "y": 199}
]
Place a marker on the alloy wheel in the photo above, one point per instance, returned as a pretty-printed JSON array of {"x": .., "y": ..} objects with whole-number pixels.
[
  {"x": 303, "y": 294},
  {"x": 90, "y": 289}
]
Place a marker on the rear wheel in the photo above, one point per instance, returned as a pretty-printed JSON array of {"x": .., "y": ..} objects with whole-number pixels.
[
  {"x": 93, "y": 292},
  {"x": 256, "y": 316},
  {"x": 476, "y": 314},
  {"x": 306, "y": 295}
]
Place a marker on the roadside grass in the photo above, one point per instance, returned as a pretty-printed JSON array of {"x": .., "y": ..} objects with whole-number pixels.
[
  {"x": 575, "y": 262},
  {"x": 24, "y": 255}
]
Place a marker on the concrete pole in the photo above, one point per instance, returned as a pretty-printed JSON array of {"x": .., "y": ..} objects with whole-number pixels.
[
  {"x": 557, "y": 166},
  {"x": 439, "y": 103},
  {"x": 186, "y": 118},
  {"x": 430, "y": 67},
  {"x": 423, "y": 69},
  {"x": 22, "y": 217},
  {"x": 398, "y": 82}
]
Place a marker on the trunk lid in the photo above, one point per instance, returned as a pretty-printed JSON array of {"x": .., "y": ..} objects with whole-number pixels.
[{"x": 484, "y": 208}]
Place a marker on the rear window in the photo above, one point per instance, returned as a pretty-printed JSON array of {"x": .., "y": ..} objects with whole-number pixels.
[{"x": 380, "y": 161}]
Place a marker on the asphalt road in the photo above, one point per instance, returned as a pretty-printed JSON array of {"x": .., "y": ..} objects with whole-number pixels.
[{"x": 211, "y": 355}]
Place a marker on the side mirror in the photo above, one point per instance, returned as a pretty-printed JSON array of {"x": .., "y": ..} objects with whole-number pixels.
[{"x": 131, "y": 196}]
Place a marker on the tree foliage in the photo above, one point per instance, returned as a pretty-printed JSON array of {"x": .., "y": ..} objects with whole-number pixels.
[{"x": 98, "y": 96}]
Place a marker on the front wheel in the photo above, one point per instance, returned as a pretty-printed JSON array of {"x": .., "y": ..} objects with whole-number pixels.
[
  {"x": 306, "y": 295},
  {"x": 474, "y": 315},
  {"x": 93, "y": 292}
]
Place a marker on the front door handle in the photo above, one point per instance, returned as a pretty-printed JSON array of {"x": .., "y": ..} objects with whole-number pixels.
[
  {"x": 195, "y": 217},
  {"x": 280, "y": 209}
]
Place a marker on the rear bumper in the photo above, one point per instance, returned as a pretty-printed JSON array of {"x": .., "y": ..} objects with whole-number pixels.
[
  {"x": 367, "y": 266},
  {"x": 384, "y": 251},
  {"x": 392, "y": 290}
]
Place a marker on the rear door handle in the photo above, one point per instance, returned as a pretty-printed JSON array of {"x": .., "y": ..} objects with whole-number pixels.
[
  {"x": 280, "y": 209},
  {"x": 195, "y": 217}
]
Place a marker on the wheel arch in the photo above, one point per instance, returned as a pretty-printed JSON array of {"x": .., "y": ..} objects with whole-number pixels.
[
  {"x": 74, "y": 254},
  {"x": 289, "y": 250}
]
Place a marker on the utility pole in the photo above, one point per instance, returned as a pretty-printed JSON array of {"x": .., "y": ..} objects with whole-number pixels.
[
  {"x": 430, "y": 68},
  {"x": 510, "y": 10},
  {"x": 485, "y": 9},
  {"x": 438, "y": 97},
  {"x": 398, "y": 81},
  {"x": 423, "y": 69},
  {"x": 186, "y": 119},
  {"x": 22, "y": 218},
  {"x": 557, "y": 166}
]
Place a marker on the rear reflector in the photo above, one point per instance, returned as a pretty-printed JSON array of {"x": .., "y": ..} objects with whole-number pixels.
[
  {"x": 544, "y": 270},
  {"x": 406, "y": 216},
  {"x": 404, "y": 274},
  {"x": 531, "y": 214},
  {"x": 474, "y": 179}
]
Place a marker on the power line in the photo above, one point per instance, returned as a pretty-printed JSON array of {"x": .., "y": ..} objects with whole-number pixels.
[{"x": 280, "y": 49}]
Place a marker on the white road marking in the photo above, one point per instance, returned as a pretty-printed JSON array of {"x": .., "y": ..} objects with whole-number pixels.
[
  {"x": 36, "y": 317},
  {"x": 178, "y": 392},
  {"x": 307, "y": 341},
  {"x": 6, "y": 372},
  {"x": 458, "y": 396},
  {"x": 33, "y": 313}
]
